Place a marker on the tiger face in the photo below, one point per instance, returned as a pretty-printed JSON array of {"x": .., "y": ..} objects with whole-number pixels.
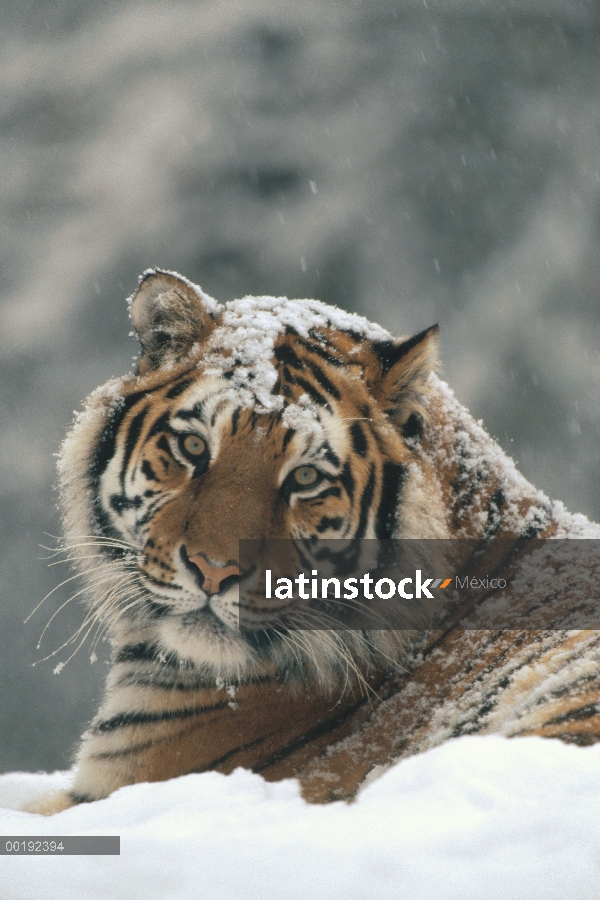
[{"x": 263, "y": 418}]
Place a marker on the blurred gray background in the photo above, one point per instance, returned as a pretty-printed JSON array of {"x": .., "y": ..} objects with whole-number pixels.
[{"x": 413, "y": 160}]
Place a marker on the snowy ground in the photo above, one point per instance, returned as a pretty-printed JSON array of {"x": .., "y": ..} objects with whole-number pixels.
[{"x": 480, "y": 817}]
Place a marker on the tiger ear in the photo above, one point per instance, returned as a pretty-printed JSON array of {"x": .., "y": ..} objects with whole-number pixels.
[
  {"x": 170, "y": 315},
  {"x": 401, "y": 370}
]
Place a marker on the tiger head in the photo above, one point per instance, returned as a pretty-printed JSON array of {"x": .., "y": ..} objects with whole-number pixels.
[{"x": 261, "y": 418}]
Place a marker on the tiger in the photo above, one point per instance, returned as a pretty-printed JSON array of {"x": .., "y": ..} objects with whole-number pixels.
[{"x": 269, "y": 418}]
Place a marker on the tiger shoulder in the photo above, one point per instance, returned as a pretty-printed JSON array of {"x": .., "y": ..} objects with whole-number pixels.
[{"x": 269, "y": 418}]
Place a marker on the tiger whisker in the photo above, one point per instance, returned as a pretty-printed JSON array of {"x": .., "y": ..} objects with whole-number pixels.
[
  {"x": 115, "y": 614},
  {"x": 62, "y": 646},
  {"x": 340, "y": 652},
  {"x": 92, "y": 583},
  {"x": 351, "y": 664},
  {"x": 103, "y": 626},
  {"x": 91, "y": 619},
  {"x": 309, "y": 651},
  {"x": 97, "y": 538},
  {"x": 393, "y": 661},
  {"x": 75, "y": 651},
  {"x": 293, "y": 646},
  {"x": 76, "y": 559},
  {"x": 360, "y": 606},
  {"x": 113, "y": 596},
  {"x": 102, "y": 566},
  {"x": 298, "y": 649},
  {"x": 334, "y": 640},
  {"x": 88, "y": 542}
]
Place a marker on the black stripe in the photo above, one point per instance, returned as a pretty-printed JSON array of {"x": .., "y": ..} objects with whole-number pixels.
[
  {"x": 81, "y": 798},
  {"x": 160, "y": 424},
  {"x": 120, "y": 502},
  {"x": 235, "y": 419},
  {"x": 326, "y": 523},
  {"x": 347, "y": 480},
  {"x": 412, "y": 428},
  {"x": 325, "y": 452},
  {"x": 494, "y": 519},
  {"x": 174, "y": 587},
  {"x": 310, "y": 735},
  {"x": 241, "y": 748},
  {"x": 103, "y": 453},
  {"x": 330, "y": 492},
  {"x": 150, "y": 509},
  {"x": 359, "y": 441},
  {"x": 148, "y": 471},
  {"x": 163, "y": 444},
  {"x": 365, "y": 502},
  {"x": 356, "y": 337},
  {"x": 136, "y": 652},
  {"x": 164, "y": 685},
  {"x": 393, "y": 479},
  {"x": 104, "y": 527},
  {"x": 124, "y": 720},
  {"x": 187, "y": 414},
  {"x": 178, "y": 389},
  {"x": 575, "y": 715},
  {"x": 286, "y": 354},
  {"x": 323, "y": 380},
  {"x": 289, "y": 434},
  {"x": 131, "y": 441},
  {"x": 105, "y": 448},
  {"x": 312, "y": 392},
  {"x": 158, "y": 610},
  {"x": 324, "y": 354}
]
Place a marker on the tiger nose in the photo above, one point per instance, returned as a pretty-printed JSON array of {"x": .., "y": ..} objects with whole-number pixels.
[{"x": 213, "y": 575}]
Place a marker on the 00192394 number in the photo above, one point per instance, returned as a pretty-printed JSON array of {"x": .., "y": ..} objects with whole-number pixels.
[{"x": 34, "y": 846}]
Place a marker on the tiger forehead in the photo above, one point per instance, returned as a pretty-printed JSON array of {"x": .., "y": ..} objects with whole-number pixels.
[
  {"x": 319, "y": 369},
  {"x": 248, "y": 428},
  {"x": 328, "y": 347}
]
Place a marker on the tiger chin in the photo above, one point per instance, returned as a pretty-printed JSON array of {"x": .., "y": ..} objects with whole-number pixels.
[{"x": 260, "y": 418}]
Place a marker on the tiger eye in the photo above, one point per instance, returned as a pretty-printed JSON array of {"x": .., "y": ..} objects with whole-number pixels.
[
  {"x": 306, "y": 475},
  {"x": 194, "y": 445}
]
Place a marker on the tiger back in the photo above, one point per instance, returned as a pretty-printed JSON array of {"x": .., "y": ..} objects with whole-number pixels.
[{"x": 269, "y": 418}]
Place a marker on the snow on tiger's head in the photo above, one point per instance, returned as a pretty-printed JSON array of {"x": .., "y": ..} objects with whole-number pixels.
[{"x": 260, "y": 418}]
